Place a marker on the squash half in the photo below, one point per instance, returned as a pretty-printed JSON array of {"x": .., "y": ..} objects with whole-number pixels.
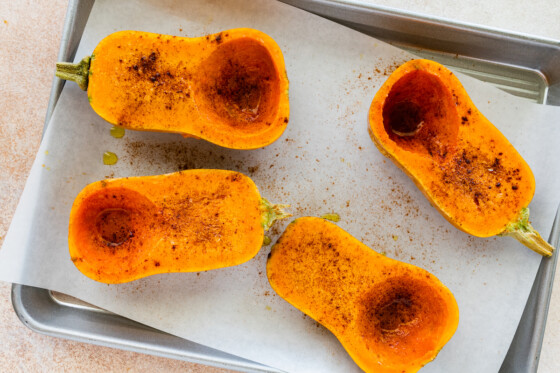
[
  {"x": 125, "y": 229},
  {"x": 229, "y": 88},
  {"x": 390, "y": 316},
  {"x": 424, "y": 121}
]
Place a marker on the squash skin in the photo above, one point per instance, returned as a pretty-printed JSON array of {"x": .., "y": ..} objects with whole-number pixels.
[
  {"x": 464, "y": 165},
  {"x": 124, "y": 229},
  {"x": 229, "y": 88},
  {"x": 341, "y": 283}
]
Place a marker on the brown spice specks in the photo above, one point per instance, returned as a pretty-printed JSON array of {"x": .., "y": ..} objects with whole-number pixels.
[{"x": 473, "y": 173}]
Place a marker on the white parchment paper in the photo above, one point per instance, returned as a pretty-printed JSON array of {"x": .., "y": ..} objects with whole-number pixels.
[{"x": 325, "y": 162}]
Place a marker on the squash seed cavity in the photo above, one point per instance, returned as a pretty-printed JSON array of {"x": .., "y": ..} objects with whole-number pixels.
[{"x": 114, "y": 226}]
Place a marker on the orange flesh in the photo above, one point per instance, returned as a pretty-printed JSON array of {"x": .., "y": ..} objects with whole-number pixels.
[
  {"x": 389, "y": 316},
  {"x": 425, "y": 122},
  {"x": 229, "y": 88},
  {"x": 124, "y": 229}
]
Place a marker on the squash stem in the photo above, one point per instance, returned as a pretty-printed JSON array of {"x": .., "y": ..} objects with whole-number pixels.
[
  {"x": 522, "y": 231},
  {"x": 270, "y": 213},
  {"x": 76, "y": 72}
]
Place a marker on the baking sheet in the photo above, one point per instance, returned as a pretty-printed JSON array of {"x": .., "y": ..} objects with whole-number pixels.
[{"x": 325, "y": 159}]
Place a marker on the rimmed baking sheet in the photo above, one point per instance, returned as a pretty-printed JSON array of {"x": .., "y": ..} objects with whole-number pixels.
[{"x": 532, "y": 83}]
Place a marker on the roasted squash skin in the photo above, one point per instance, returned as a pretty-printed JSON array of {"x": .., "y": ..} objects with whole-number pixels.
[
  {"x": 229, "y": 88},
  {"x": 125, "y": 229},
  {"x": 390, "y": 316},
  {"x": 424, "y": 121}
]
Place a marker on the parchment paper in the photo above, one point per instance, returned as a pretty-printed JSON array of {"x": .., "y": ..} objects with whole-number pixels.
[{"x": 325, "y": 162}]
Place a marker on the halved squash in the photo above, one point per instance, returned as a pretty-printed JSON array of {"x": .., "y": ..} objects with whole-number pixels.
[
  {"x": 229, "y": 88},
  {"x": 424, "y": 121},
  {"x": 125, "y": 229},
  {"x": 390, "y": 316}
]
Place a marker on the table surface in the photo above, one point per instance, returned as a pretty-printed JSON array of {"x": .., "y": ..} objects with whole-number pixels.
[{"x": 30, "y": 33}]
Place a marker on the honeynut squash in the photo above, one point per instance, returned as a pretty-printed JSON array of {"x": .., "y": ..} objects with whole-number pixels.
[
  {"x": 424, "y": 121},
  {"x": 229, "y": 88}
]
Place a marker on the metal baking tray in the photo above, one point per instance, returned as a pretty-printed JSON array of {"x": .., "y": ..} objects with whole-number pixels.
[{"x": 525, "y": 66}]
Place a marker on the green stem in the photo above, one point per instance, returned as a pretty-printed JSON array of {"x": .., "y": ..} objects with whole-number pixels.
[
  {"x": 522, "y": 231},
  {"x": 76, "y": 72},
  {"x": 270, "y": 213}
]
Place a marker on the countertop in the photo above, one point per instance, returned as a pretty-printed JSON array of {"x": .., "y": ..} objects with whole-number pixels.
[{"x": 30, "y": 33}]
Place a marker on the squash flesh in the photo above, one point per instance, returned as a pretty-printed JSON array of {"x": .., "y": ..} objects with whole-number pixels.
[
  {"x": 124, "y": 229},
  {"x": 228, "y": 88},
  {"x": 462, "y": 163},
  {"x": 389, "y": 316}
]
